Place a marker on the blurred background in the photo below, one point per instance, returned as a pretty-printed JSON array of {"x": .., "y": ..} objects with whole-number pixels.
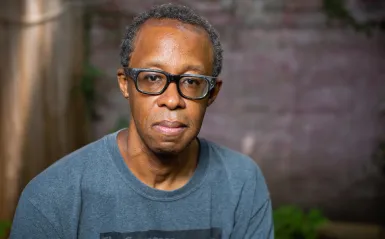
[{"x": 303, "y": 95}]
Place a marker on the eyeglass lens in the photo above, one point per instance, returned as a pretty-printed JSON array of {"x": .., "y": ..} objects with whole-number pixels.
[{"x": 155, "y": 82}]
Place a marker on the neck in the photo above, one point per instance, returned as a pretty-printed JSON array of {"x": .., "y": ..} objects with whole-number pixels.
[{"x": 160, "y": 171}]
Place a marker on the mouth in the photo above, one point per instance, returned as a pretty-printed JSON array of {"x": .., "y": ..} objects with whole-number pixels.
[{"x": 171, "y": 128}]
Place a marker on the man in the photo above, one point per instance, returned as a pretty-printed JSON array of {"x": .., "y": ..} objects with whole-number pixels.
[{"x": 156, "y": 179}]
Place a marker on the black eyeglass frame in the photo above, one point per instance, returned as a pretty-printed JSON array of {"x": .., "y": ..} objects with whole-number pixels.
[{"x": 133, "y": 73}]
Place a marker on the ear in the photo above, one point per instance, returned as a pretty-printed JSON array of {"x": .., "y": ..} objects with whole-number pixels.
[
  {"x": 214, "y": 92},
  {"x": 123, "y": 83}
]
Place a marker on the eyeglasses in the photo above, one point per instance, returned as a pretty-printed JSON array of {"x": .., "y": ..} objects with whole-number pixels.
[{"x": 155, "y": 82}]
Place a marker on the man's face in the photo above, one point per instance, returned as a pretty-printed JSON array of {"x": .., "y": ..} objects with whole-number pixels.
[{"x": 168, "y": 123}]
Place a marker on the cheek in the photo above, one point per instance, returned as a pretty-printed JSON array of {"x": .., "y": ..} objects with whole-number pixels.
[
  {"x": 141, "y": 108},
  {"x": 197, "y": 113}
]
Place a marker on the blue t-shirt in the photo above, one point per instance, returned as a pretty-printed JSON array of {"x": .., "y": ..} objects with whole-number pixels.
[{"x": 91, "y": 193}]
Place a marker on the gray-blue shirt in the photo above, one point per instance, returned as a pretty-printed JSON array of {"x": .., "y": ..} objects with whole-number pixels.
[{"x": 91, "y": 193}]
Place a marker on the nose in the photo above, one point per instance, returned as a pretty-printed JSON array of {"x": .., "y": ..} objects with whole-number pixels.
[{"x": 171, "y": 98}]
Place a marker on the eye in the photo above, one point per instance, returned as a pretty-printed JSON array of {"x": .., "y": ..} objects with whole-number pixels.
[
  {"x": 192, "y": 81},
  {"x": 152, "y": 77}
]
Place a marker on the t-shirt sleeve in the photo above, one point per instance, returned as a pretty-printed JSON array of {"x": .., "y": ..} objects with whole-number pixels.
[
  {"x": 254, "y": 219},
  {"x": 29, "y": 222},
  {"x": 261, "y": 223}
]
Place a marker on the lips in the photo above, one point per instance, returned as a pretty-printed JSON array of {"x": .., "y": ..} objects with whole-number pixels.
[{"x": 170, "y": 127}]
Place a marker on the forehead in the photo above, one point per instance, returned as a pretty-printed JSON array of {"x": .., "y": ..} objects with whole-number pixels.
[
  {"x": 170, "y": 40},
  {"x": 173, "y": 23}
]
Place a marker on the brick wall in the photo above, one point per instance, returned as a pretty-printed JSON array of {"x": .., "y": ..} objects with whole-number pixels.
[{"x": 301, "y": 99}]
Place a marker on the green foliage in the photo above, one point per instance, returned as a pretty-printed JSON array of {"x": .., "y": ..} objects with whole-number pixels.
[
  {"x": 336, "y": 10},
  {"x": 90, "y": 73},
  {"x": 291, "y": 222},
  {"x": 379, "y": 156},
  {"x": 4, "y": 226}
]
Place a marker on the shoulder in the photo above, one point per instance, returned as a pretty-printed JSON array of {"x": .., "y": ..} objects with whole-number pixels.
[
  {"x": 238, "y": 165},
  {"x": 55, "y": 195},
  {"x": 63, "y": 178},
  {"x": 240, "y": 171}
]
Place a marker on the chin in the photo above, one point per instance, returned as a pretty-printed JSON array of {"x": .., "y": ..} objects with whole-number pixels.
[{"x": 168, "y": 148}]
